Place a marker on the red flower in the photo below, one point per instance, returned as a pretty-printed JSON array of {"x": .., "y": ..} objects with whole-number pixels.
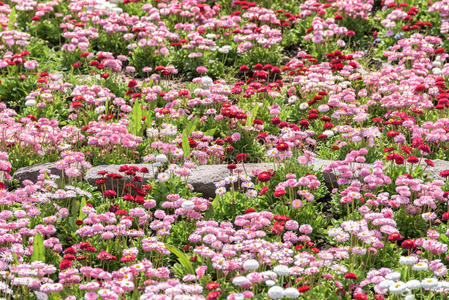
[
  {"x": 213, "y": 295},
  {"x": 279, "y": 193},
  {"x": 350, "y": 275},
  {"x": 408, "y": 244},
  {"x": 444, "y": 173},
  {"x": 420, "y": 88},
  {"x": 263, "y": 190},
  {"x": 360, "y": 296},
  {"x": 399, "y": 159},
  {"x": 281, "y": 147},
  {"x": 243, "y": 68},
  {"x": 249, "y": 210},
  {"x": 110, "y": 193},
  {"x": 212, "y": 286},
  {"x": 392, "y": 133},
  {"x": 304, "y": 123},
  {"x": 241, "y": 157},
  {"x": 264, "y": 176},
  {"x": 65, "y": 264},
  {"x": 303, "y": 289},
  {"x": 395, "y": 236},
  {"x": 127, "y": 258},
  {"x": 412, "y": 159},
  {"x": 446, "y": 216},
  {"x": 429, "y": 162},
  {"x": 79, "y": 222},
  {"x": 70, "y": 250}
]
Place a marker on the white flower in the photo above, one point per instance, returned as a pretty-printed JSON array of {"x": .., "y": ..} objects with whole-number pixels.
[
  {"x": 281, "y": 270},
  {"x": 188, "y": 205},
  {"x": 291, "y": 293},
  {"x": 152, "y": 132},
  {"x": 421, "y": 266},
  {"x": 239, "y": 280},
  {"x": 270, "y": 282},
  {"x": 100, "y": 109},
  {"x": 409, "y": 297},
  {"x": 385, "y": 284},
  {"x": 413, "y": 284},
  {"x": 328, "y": 133},
  {"x": 429, "y": 283},
  {"x": 250, "y": 265},
  {"x": 30, "y": 102},
  {"x": 393, "y": 276},
  {"x": 303, "y": 106},
  {"x": 408, "y": 260},
  {"x": 161, "y": 158},
  {"x": 292, "y": 99},
  {"x": 276, "y": 292},
  {"x": 206, "y": 82},
  {"x": 397, "y": 287}
]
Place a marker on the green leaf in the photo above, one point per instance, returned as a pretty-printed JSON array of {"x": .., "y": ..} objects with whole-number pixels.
[
  {"x": 16, "y": 259},
  {"x": 185, "y": 143},
  {"x": 210, "y": 132},
  {"x": 12, "y": 19},
  {"x": 38, "y": 248},
  {"x": 182, "y": 258},
  {"x": 135, "y": 122},
  {"x": 251, "y": 118},
  {"x": 82, "y": 215}
]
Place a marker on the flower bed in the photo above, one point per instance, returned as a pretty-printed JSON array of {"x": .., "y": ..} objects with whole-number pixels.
[{"x": 224, "y": 149}]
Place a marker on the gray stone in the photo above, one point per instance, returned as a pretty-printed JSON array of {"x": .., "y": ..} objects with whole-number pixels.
[
  {"x": 204, "y": 177},
  {"x": 32, "y": 172},
  {"x": 118, "y": 184}
]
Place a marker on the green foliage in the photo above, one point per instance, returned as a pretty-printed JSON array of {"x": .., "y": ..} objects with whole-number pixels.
[{"x": 38, "y": 248}]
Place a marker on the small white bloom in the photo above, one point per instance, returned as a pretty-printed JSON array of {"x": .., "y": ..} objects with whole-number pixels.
[
  {"x": 386, "y": 284},
  {"x": 30, "y": 102},
  {"x": 239, "y": 280},
  {"x": 303, "y": 106},
  {"x": 393, "y": 276},
  {"x": 281, "y": 270},
  {"x": 421, "y": 266},
  {"x": 409, "y": 297},
  {"x": 270, "y": 282},
  {"x": 413, "y": 284},
  {"x": 276, "y": 292},
  {"x": 397, "y": 287},
  {"x": 251, "y": 265},
  {"x": 206, "y": 82},
  {"x": 291, "y": 293},
  {"x": 429, "y": 283},
  {"x": 188, "y": 205},
  {"x": 408, "y": 260},
  {"x": 292, "y": 99},
  {"x": 162, "y": 158}
]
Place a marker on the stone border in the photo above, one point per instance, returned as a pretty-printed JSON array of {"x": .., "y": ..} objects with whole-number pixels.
[{"x": 203, "y": 178}]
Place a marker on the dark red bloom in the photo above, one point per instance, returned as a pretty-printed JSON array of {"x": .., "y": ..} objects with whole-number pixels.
[
  {"x": 444, "y": 173},
  {"x": 264, "y": 176},
  {"x": 65, "y": 264},
  {"x": 395, "y": 236},
  {"x": 350, "y": 275},
  {"x": 241, "y": 157},
  {"x": 408, "y": 244}
]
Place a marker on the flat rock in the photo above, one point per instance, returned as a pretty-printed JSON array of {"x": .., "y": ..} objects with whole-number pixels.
[
  {"x": 204, "y": 177},
  {"x": 32, "y": 172}
]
